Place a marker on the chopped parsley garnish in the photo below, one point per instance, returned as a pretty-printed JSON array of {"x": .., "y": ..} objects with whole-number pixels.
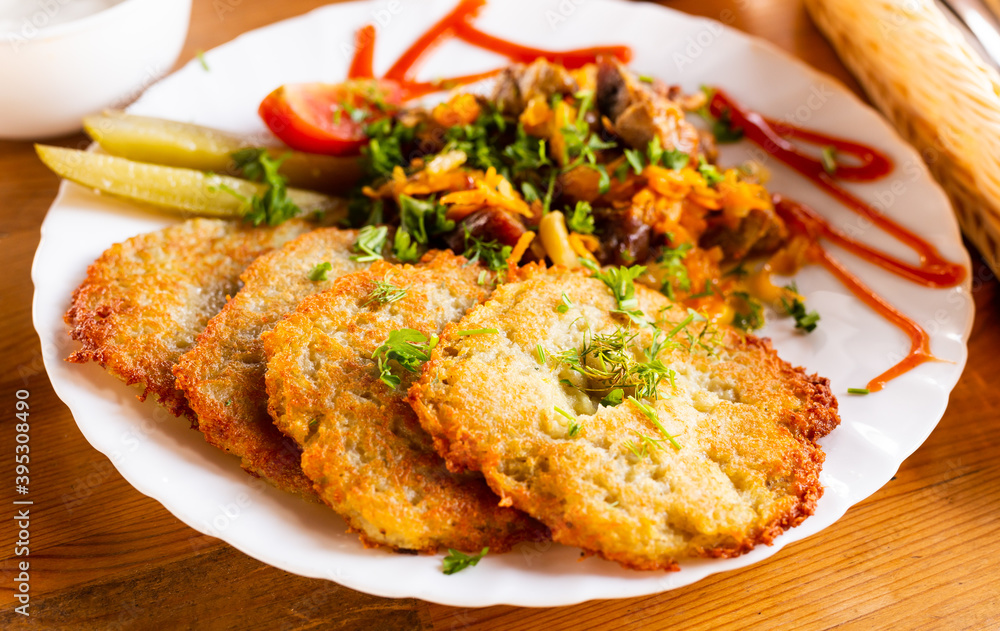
[
  {"x": 748, "y": 312},
  {"x": 621, "y": 282},
  {"x": 656, "y": 155},
  {"x": 405, "y": 249},
  {"x": 581, "y": 144},
  {"x": 423, "y": 219},
  {"x": 829, "y": 160},
  {"x": 319, "y": 271},
  {"x": 634, "y": 159},
  {"x": 675, "y": 273},
  {"x": 710, "y": 172},
  {"x": 492, "y": 254},
  {"x": 805, "y": 320},
  {"x": 201, "y": 59},
  {"x": 385, "y": 293},
  {"x": 858, "y": 391},
  {"x": 386, "y": 148},
  {"x": 273, "y": 207},
  {"x": 645, "y": 78},
  {"x": 371, "y": 240},
  {"x": 722, "y": 127},
  {"x": 723, "y": 130},
  {"x": 675, "y": 159},
  {"x": 457, "y": 561},
  {"x": 613, "y": 398},
  {"x": 581, "y": 219},
  {"x": 409, "y": 348},
  {"x": 477, "y": 332},
  {"x": 478, "y": 141},
  {"x": 526, "y": 153}
]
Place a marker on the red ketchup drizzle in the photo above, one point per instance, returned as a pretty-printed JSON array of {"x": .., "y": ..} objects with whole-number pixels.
[
  {"x": 458, "y": 23},
  {"x": 933, "y": 270},
  {"x": 364, "y": 51},
  {"x": 804, "y": 220}
]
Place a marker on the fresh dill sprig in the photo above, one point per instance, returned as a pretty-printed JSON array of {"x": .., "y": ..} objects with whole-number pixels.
[
  {"x": 608, "y": 363},
  {"x": 385, "y": 293},
  {"x": 651, "y": 414}
]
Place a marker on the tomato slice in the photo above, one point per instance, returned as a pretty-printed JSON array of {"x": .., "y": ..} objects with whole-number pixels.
[{"x": 329, "y": 118}]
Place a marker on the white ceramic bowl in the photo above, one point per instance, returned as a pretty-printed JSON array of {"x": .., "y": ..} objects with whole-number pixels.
[{"x": 55, "y": 72}]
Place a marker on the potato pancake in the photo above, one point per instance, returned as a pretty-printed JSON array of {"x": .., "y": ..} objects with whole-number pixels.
[
  {"x": 362, "y": 444},
  {"x": 223, "y": 376},
  {"x": 145, "y": 300},
  {"x": 642, "y": 444}
]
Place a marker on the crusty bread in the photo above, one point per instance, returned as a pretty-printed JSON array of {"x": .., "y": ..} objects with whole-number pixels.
[
  {"x": 223, "y": 376},
  {"x": 145, "y": 300},
  {"x": 747, "y": 466},
  {"x": 938, "y": 91},
  {"x": 362, "y": 445}
]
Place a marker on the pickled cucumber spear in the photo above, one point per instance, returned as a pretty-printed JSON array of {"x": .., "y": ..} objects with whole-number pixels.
[
  {"x": 181, "y": 191},
  {"x": 176, "y": 144}
]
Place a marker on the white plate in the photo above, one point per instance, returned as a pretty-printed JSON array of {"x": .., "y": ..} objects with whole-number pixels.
[{"x": 206, "y": 489}]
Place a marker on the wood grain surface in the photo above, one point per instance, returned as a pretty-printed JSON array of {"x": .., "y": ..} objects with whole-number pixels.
[{"x": 922, "y": 553}]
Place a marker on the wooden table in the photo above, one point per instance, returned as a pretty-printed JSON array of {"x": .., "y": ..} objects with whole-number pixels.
[{"x": 921, "y": 553}]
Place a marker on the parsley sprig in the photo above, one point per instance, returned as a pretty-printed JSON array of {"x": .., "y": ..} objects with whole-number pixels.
[
  {"x": 621, "y": 282},
  {"x": 457, "y": 561},
  {"x": 748, "y": 312},
  {"x": 274, "y": 206},
  {"x": 581, "y": 144},
  {"x": 492, "y": 254},
  {"x": 318, "y": 272},
  {"x": 408, "y": 348},
  {"x": 419, "y": 220},
  {"x": 581, "y": 219},
  {"x": 675, "y": 272},
  {"x": 656, "y": 155},
  {"x": 804, "y": 320}
]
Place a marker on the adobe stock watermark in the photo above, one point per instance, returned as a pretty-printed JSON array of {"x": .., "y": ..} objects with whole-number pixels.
[
  {"x": 562, "y": 13},
  {"x": 32, "y": 25},
  {"x": 382, "y": 16},
  {"x": 696, "y": 45}
]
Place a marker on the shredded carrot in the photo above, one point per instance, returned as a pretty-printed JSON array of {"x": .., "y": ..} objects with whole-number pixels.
[
  {"x": 522, "y": 246},
  {"x": 584, "y": 245}
]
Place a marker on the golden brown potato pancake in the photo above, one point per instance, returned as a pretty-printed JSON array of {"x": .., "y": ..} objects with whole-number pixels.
[
  {"x": 145, "y": 300},
  {"x": 605, "y": 477},
  {"x": 362, "y": 444},
  {"x": 223, "y": 376}
]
